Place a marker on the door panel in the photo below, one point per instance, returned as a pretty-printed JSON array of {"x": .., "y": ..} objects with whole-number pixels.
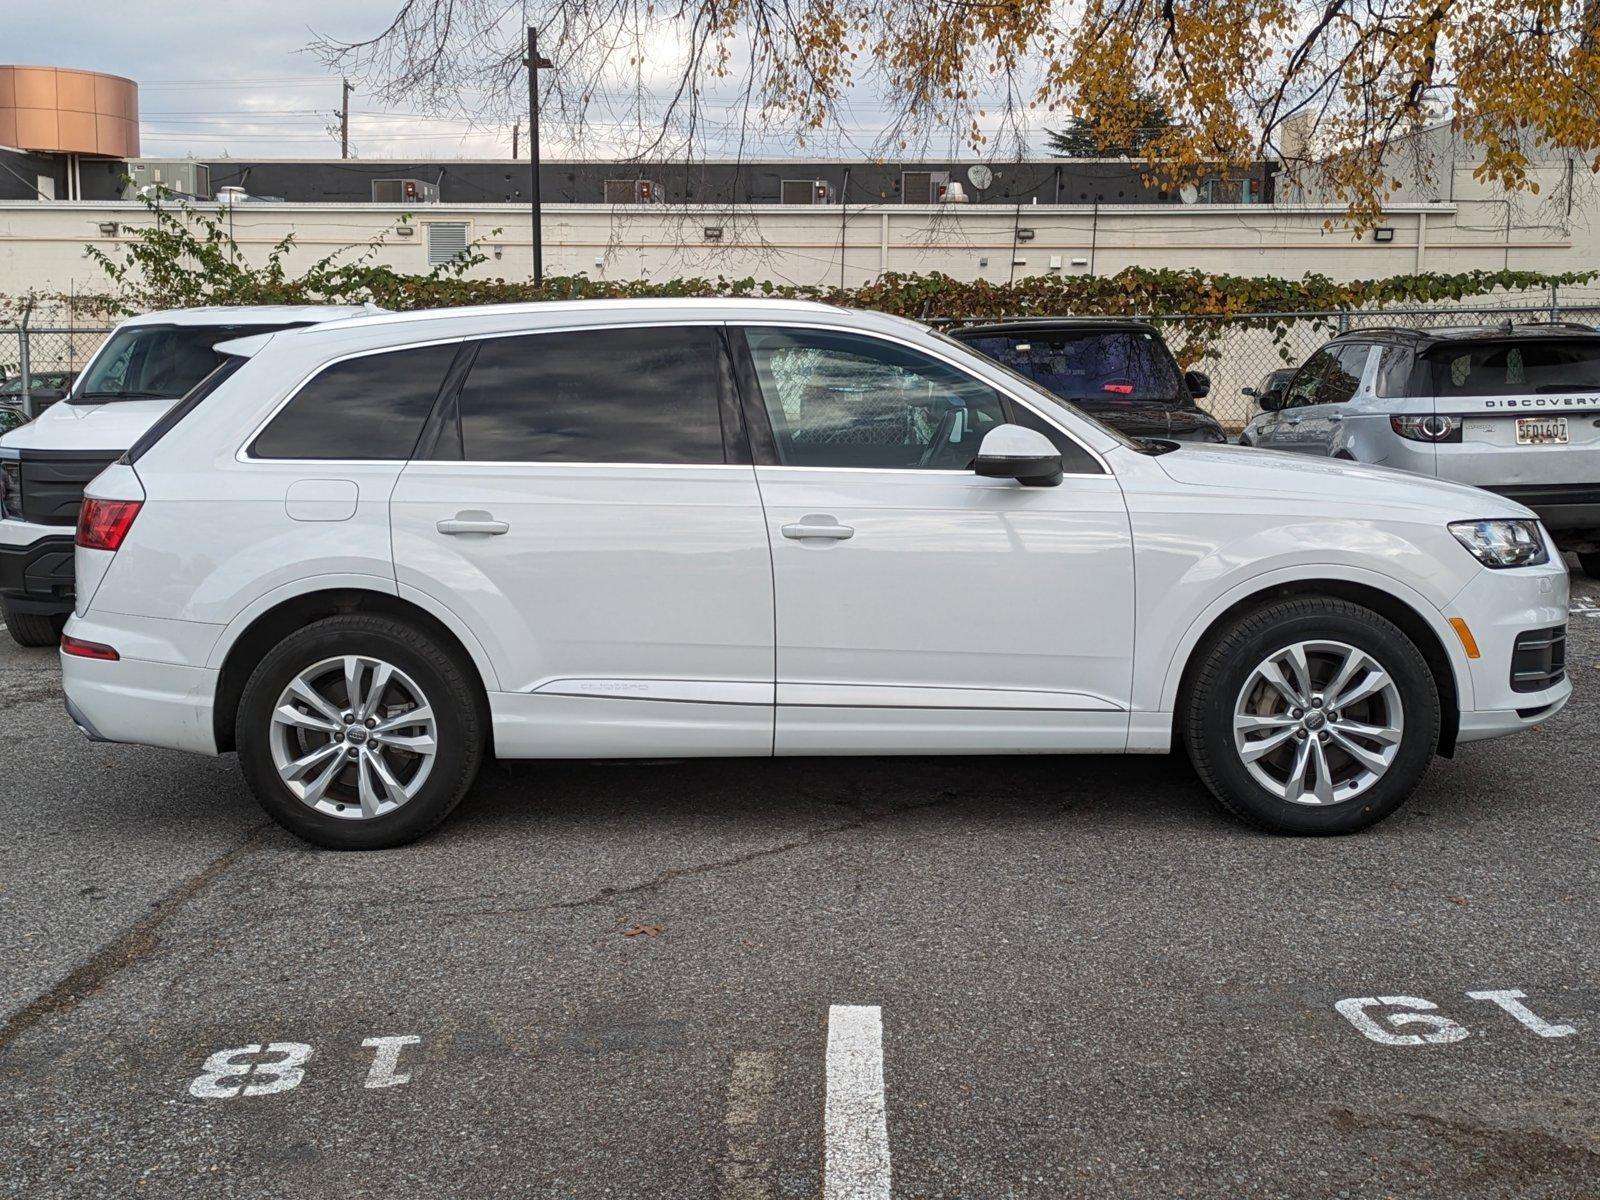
[
  {"x": 921, "y": 608},
  {"x": 1291, "y": 431},
  {"x": 953, "y": 592},
  {"x": 581, "y": 515},
  {"x": 611, "y": 581}
]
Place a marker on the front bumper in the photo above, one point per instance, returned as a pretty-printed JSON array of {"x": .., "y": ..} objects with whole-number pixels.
[
  {"x": 1499, "y": 607},
  {"x": 38, "y": 577}
]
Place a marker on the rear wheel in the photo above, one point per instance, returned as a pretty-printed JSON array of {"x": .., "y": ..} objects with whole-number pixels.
[
  {"x": 358, "y": 733},
  {"x": 1590, "y": 562},
  {"x": 32, "y": 629},
  {"x": 1312, "y": 716}
]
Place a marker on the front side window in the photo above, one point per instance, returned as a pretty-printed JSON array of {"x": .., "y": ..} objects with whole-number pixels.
[
  {"x": 1090, "y": 367},
  {"x": 367, "y": 408},
  {"x": 641, "y": 395},
  {"x": 844, "y": 400},
  {"x": 159, "y": 362},
  {"x": 1308, "y": 380},
  {"x": 1527, "y": 367}
]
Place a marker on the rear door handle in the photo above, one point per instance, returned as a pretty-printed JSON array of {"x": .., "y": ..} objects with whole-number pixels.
[
  {"x": 472, "y": 522},
  {"x": 814, "y": 526},
  {"x": 1336, "y": 417}
]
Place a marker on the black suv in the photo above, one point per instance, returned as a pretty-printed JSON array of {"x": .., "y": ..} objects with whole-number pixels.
[{"x": 1117, "y": 370}]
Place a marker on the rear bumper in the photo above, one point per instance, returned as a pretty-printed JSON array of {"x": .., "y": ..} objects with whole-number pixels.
[
  {"x": 148, "y": 703},
  {"x": 38, "y": 577}
]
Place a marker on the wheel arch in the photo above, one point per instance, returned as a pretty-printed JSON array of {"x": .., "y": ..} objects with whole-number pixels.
[
  {"x": 265, "y": 629},
  {"x": 1404, "y": 613}
]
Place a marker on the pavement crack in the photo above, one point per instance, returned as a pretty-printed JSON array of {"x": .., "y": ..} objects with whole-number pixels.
[
  {"x": 135, "y": 944},
  {"x": 606, "y": 895}
]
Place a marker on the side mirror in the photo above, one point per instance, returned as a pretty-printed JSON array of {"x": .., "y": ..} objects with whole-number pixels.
[
  {"x": 1198, "y": 383},
  {"x": 1015, "y": 452},
  {"x": 1272, "y": 400},
  {"x": 1253, "y": 393}
]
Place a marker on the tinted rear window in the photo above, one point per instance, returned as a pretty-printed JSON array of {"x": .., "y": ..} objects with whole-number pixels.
[
  {"x": 602, "y": 395},
  {"x": 372, "y": 407},
  {"x": 1516, "y": 367},
  {"x": 1091, "y": 366}
]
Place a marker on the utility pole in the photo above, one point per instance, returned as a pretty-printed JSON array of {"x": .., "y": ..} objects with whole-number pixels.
[
  {"x": 535, "y": 64},
  {"x": 516, "y": 132},
  {"x": 344, "y": 119}
]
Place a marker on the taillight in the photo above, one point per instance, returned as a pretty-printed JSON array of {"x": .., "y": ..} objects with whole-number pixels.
[
  {"x": 102, "y": 524},
  {"x": 81, "y": 649},
  {"x": 1434, "y": 427}
]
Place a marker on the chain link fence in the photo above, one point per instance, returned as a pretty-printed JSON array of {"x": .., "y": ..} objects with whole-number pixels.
[
  {"x": 43, "y": 359},
  {"x": 1237, "y": 352}
]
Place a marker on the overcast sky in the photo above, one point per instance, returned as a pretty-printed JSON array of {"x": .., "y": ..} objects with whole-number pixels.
[{"x": 235, "y": 78}]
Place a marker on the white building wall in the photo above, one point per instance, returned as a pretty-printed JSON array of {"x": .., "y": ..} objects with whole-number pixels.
[{"x": 42, "y": 245}]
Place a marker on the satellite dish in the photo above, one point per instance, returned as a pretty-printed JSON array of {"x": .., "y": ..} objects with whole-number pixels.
[
  {"x": 980, "y": 176},
  {"x": 1189, "y": 194}
]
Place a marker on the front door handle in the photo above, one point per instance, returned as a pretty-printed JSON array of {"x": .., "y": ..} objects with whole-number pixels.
[
  {"x": 1336, "y": 417},
  {"x": 1294, "y": 420},
  {"x": 817, "y": 526},
  {"x": 472, "y": 522}
]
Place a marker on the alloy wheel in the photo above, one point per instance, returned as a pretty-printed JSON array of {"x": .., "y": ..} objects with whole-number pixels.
[
  {"x": 353, "y": 737},
  {"x": 1318, "y": 722}
]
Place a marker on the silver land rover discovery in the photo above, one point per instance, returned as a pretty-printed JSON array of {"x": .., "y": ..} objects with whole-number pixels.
[{"x": 1514, "y": 408}]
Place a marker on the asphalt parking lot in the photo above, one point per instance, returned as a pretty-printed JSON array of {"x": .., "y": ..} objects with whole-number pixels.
[{"x": 669, "y": 980}]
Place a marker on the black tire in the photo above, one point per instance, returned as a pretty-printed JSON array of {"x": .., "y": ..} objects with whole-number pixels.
[
  {"x": 1590, "y": 562},
  {"x": 32, "y": 629},
  {"x": 1225, "y": 662},
  {"x": 458, "y": 709}
]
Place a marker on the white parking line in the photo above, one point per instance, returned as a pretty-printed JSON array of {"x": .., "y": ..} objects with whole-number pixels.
[{"x": 855, "y": 1124}]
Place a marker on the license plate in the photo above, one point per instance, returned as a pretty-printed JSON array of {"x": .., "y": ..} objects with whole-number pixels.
[{"x": 1541, "y": 431}]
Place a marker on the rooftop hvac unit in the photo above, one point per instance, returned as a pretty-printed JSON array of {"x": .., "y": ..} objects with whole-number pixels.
[
  {"x": 632, "y": 191},
  {"x": 181, "y": 177},
  {"x": 923, "y": 187},
  {"x": 806, "y": 191},
  {"x": 404, "y": 191}
]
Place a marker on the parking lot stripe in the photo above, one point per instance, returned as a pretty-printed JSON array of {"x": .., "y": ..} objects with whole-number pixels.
[
  {"x": 746, "y": 1170},
  {"x": 855, "y": 1124}
]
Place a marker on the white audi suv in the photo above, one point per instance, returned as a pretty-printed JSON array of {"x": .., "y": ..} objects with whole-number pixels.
[{"x": 368, "y": 553}]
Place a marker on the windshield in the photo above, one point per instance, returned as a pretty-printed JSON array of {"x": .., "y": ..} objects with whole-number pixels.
[
  {"x": 158, "y": 362},
  {"x": 1042, "y": 398},
  {"x": 1090, "y": 366},
  {"x": 1519, "y": 367}
]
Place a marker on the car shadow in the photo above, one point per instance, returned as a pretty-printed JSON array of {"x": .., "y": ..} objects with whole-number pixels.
[{"x": 1154, "y": 790}]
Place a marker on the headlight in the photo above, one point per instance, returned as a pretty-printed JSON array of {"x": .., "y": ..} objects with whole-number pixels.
[{"x": 1503, "y": 542}]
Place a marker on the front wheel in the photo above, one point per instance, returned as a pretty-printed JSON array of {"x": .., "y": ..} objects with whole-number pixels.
[
  {"x": 1311, "y": 716},
  {"x": 359, "y": 733}
]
